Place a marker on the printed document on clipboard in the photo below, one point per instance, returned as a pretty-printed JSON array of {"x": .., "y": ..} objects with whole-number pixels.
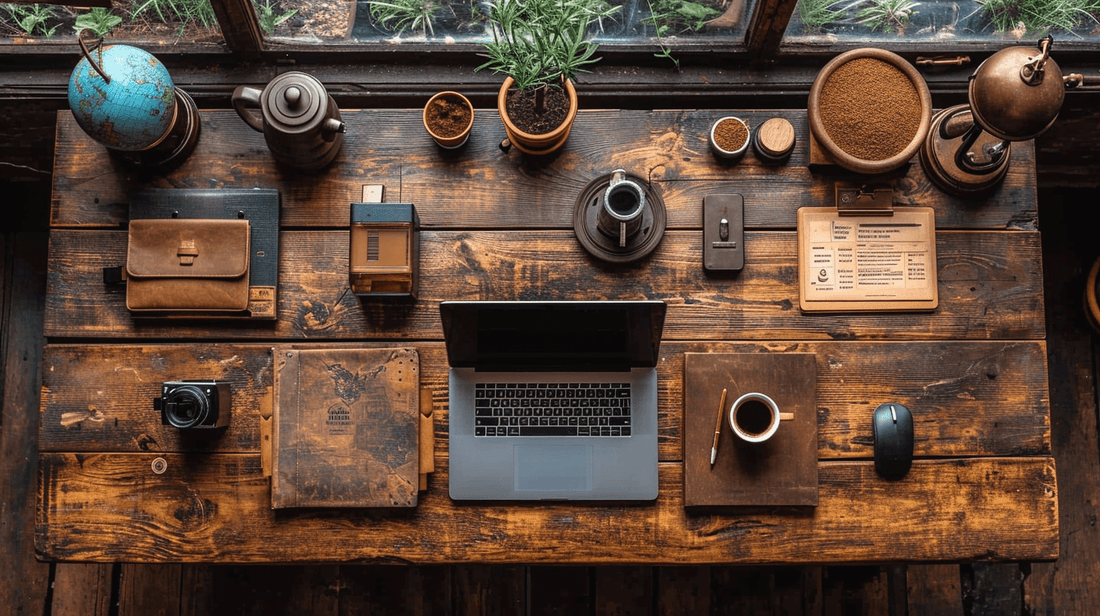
[{"x": 867, "y": 263}]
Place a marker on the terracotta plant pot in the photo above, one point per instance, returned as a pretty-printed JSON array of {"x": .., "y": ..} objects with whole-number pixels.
[
  {"x": 536, "y": 144},
  {"x": 449, "y": 141}
]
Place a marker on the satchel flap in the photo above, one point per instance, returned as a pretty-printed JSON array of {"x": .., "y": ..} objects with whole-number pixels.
[{"x": 188, "y": 248}]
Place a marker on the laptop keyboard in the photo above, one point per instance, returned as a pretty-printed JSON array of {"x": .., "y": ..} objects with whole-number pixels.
[{"x": 552, "y": 409}]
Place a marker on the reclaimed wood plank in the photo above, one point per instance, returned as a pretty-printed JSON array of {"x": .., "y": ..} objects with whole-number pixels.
[
  {"x": 855, "y": 590},
  {"x": 684, "y": 591},
  {"x": 250, "y": 590},
  {"x": 489, "y": 590},
  {"x": 82, "y": 589},
  {"x": 150, "y": 589},
  {"x": 25, "y": 584},
  {"x": 488, "y": 189},
  {"x": 989, "y": 288},
  {"x": 1069, "y": 586},
  {"x": 968, "y": 398},
  {"x": 766, "y": 591},
  {"x": 934, "y": 590},
  {"x": 559, "y": 591},
  {"x": 623, "y": 590},
  {"x": 104, "y": 507},
  {"x": 389, "y": 590}
]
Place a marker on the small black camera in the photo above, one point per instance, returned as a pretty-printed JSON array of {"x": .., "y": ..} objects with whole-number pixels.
[{"x": 194, "y": 404}]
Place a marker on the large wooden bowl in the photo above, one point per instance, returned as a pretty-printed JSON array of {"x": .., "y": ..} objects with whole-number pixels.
[{"x": 829, "y": 145}]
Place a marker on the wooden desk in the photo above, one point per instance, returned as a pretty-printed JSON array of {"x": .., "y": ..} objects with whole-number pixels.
[{"x": 498, "y": 226}]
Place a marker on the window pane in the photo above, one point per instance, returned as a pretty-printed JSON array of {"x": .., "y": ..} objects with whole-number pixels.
[
  {"x": 942, "y": 21},
  {"x": 649, "y": 22},
  {"x": 147, "y": 23}
]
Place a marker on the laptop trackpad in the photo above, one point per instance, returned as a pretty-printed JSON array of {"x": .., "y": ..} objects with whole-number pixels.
[{"x": 565, "y": 468}]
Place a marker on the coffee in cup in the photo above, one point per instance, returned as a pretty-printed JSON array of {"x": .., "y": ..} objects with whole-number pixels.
[{"x": 755, "y": 417}]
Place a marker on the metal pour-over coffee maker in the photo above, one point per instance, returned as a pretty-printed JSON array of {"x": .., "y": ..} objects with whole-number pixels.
[{"x": 1014, "y": 95}]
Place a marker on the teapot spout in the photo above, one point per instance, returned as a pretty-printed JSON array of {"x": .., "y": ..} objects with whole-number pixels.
[{"x": 330, "y": 127}]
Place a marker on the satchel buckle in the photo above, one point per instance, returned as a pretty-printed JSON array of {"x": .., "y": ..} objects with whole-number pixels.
[{"x": 187, "y": 252}]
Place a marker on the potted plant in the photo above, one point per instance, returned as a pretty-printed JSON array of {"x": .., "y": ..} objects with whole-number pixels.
[
  {"x": 540, "y": 45},
  {"x": 448, "y": 117}
]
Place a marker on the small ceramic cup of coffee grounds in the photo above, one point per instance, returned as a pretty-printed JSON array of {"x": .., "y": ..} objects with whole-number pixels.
[{"x": 729, "y": 138}]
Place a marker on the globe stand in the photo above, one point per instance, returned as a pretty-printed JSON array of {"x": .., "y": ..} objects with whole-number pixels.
[{"x": 177, "y": 144}]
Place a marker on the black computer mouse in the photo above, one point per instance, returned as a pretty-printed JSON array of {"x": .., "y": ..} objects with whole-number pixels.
[{"x": 893, "y": 427}]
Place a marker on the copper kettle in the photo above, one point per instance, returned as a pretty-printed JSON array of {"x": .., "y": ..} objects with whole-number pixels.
[{"x": 301, "y": 123}]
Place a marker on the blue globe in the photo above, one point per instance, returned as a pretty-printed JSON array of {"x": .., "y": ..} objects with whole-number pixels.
[{"x": 135, "y": 110}]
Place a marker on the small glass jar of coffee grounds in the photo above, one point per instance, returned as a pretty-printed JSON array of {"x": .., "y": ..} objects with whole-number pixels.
[{"x": 729, "y": 138}]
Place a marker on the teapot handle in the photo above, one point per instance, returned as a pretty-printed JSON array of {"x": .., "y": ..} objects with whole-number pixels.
[{"x": 243, "y": 96}]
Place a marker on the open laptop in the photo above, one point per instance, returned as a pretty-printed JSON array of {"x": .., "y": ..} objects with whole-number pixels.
[{"x": 553, "y": 400}]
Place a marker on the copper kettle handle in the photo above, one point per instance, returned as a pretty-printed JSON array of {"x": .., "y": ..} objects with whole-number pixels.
[{"x": 244, "y": 96}]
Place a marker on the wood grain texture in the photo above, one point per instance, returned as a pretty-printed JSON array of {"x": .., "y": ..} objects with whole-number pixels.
[
  {"x": 1069, "y": 586},
  {"x": 968, "y": 398},
  {"x": 82, "y": 589},
  {"x": 989, "y": 286},
  {"x": 150, "y": 589},
  {"x": 934, "y": 590},
  {"x": 25, "y": 584},
  {"x": 489, "y": 590},
  {"x": 489, "y": 189},
  {"x": 103, "y": 507}
]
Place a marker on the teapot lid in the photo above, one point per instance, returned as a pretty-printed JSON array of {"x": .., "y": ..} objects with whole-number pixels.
[{"x": 294, "y": 98}]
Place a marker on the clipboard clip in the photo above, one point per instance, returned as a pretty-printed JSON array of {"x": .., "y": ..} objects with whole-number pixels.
[{"x": 864, "y": 200}]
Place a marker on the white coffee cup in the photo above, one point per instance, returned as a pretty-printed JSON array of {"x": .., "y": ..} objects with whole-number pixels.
[{"x": 755, "y": 417}]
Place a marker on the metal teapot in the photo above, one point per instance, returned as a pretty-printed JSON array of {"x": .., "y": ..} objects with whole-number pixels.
[{"x": 301, "y": 123}]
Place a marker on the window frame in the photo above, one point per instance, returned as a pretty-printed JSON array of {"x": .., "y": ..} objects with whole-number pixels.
[{"x": 762, "y": 71}]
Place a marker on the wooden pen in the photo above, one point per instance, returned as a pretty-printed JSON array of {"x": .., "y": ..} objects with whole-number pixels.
[{"x": 718, "y": 428}]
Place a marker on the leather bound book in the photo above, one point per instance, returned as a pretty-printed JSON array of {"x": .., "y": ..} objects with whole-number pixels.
[{"x": 346, "y": 428}]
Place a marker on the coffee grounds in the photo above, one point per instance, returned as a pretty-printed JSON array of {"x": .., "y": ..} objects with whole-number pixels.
[
  {"x": 521, "y": 110},
  {"x": 870, "y": 109},
  {"x": 448, "y": 116},
  {"x": 730, "y": 135}
]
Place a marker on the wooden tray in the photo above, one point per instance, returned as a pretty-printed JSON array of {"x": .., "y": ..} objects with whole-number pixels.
[{"x": 780, "y": 471}]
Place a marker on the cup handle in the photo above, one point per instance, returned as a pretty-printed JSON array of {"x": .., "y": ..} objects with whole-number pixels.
[
  {"x": 786, "y": 416},
  {"x": 242, "y": 96}
]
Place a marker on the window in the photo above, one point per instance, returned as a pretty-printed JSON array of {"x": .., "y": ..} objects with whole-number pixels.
[
  {"x": 942, "y": 22},
  {"x": 766, "y": 26}
]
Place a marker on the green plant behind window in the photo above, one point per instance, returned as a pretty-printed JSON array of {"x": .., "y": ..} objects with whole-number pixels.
[
  {"x": 543, "y": 42},
  {"x": 406, "y": 14},
  {"x": 31, "y": 19},
  {"x": 814, "y": 14},
  {"x": 664, "y": 14},
  {"x": 888, "y": 15},
  {"x": 1039, "y": 16},
  {"x": 183, "y": 11},
  {"x": 268, "y": 18},
  {"x": 99, "y": 21}
]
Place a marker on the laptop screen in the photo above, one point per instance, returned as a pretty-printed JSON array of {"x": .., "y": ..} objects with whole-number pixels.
[{"x": 611, "y": 335}]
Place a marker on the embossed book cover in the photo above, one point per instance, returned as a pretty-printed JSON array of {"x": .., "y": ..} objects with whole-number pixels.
[{"x": 345, "y": 428}]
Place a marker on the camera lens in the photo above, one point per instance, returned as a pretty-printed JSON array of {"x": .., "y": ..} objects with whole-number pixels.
[{"x": 186, "y": 406}]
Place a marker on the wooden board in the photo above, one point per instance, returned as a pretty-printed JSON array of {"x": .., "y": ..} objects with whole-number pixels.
[
  {"x": 984, "y": 398},
  {"x": 781, "y": 471},
  {"x": 498, "y": 226},
  {"x": 989, "y": 285},
  {"x": 103, "y": 507},
  {"x": 346, "y": 428},
  {"x": 488, "y": 189}
]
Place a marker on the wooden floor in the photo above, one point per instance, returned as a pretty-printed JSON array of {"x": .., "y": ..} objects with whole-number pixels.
[{"x": 1066, "y": 587}]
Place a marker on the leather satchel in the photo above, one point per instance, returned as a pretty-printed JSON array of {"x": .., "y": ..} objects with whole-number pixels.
[{"x": 187, "y": 265}]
